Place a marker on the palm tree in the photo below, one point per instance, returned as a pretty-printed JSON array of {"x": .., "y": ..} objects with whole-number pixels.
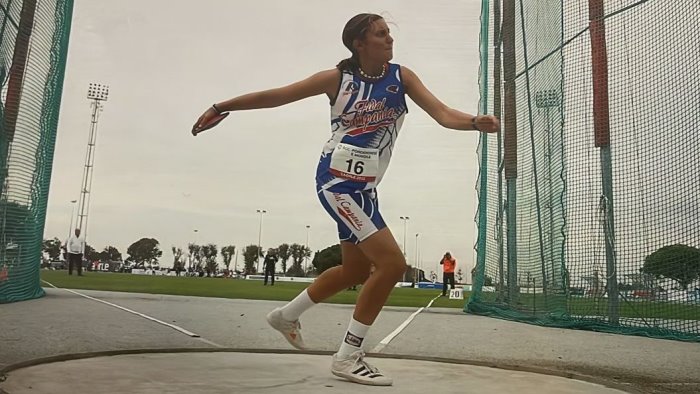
[{"x": 227, "y": 252}]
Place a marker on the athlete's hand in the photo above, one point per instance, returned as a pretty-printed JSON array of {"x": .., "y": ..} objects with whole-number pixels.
[
  {"x": 487, "y": 123},
  {"x": 209, "y": 119}
]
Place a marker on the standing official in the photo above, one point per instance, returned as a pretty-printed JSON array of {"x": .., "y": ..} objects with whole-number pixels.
[
  {"x": 269, "y": 267},
  {"x": 448, "y": 272},
  {"x": 75, "y": 246}
]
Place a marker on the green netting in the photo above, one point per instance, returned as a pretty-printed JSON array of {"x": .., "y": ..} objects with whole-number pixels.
[
  {"x": 589, "y": 215},
  {"x": 33, "y": 47}
]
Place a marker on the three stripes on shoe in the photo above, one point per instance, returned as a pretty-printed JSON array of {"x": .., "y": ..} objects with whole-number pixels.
[{"x": 366, "y": 372}]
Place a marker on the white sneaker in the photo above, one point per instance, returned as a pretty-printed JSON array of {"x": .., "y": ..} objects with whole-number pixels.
[
  {"x": 356, "y": 369},
  {"x": 289, "y": 329}
]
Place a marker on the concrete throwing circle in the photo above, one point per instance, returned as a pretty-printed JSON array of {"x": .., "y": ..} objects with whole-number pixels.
[{"x": 237, "y": 372}]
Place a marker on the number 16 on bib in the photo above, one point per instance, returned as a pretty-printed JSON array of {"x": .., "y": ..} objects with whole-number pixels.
[{"x": 354, "y": 163}]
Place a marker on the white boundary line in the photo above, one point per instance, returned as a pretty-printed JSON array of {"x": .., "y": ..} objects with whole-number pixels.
[
  {"x": 382, "y": 344},
  {"x": 153, "y": 319}
]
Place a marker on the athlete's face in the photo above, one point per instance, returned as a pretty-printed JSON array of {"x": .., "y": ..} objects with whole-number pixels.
[{"x": 377, "y": 44}]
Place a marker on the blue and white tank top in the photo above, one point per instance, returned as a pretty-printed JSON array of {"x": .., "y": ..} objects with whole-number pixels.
[{"x": 365, "y": 121}]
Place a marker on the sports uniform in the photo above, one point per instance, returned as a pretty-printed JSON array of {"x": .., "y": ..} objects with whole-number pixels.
[{"x": 366, "y": 117}]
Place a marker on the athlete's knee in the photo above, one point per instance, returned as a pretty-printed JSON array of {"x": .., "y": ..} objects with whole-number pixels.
[
  {"x": 358, "y": 277},
  {"x": 392, "y": 265}
]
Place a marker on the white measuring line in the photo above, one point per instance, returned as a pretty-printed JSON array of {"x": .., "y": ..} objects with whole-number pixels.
[
  {"x": 153, "y": 319},
  {"x": 382, "y": 344}
]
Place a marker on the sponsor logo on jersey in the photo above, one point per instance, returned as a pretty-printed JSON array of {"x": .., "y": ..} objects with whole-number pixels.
[
  {"x": 392, "y": 89},
  {"x": 347, "y": 213},
  {"x": 368, "y": 116},
  {"x": 350, "y": 87}
]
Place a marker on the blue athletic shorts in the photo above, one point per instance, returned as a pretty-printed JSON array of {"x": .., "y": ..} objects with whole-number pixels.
[{"x": 357, "y": 214}]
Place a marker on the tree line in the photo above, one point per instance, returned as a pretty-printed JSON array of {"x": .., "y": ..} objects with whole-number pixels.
[
  {"x": 203, "y": 259},
  {"x": 146, "y": 253},
  {"x": 678, "y": 262}
]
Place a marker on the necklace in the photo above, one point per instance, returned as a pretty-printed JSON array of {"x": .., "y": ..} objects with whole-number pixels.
[{"x": 372, "y": 77}]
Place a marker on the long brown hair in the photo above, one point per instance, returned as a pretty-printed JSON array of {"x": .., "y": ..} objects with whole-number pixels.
[{"x": 355, "y": 29}]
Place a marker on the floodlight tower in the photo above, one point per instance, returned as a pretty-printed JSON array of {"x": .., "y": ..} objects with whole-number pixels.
[{"x": 97, "y": 93}]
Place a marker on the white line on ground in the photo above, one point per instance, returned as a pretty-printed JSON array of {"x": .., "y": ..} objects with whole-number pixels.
[
  {"x": 210, "y": 342},
  {"x": 153, "y": 319},
  {"x": 382, "y": 344}
]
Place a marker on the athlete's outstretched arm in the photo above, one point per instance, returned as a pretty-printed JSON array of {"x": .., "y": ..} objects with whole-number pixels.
[
  {"x": 321, "y": 82},
  {"x": 444, "y": 115}
]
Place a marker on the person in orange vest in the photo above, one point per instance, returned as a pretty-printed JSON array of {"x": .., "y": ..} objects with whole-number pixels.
[{"x": 448, "y": 272}]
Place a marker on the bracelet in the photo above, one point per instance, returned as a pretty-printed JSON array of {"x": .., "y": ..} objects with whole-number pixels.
[
  {"x": 218, "y": 111},
  {"x": 474, "y": 123}
]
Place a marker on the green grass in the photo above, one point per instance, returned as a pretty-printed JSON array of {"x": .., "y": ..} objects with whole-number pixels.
[
  {"x": 285, "y": 291},
  {"x": 638, "y": 309},
  {"x": 229, "y": 288},
  {"x": 587, "y": 306}
]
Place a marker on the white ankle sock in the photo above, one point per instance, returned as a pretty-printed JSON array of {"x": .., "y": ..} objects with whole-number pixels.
[
  {"x": 353, "y": 339},
  {"x": 297, "y": 306}
]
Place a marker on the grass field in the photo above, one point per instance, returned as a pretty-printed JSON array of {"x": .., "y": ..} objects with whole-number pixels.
[
  {"x": 228, "y": 288},
  {"x": 285, "y": 291},
  {"x": 587, "y": 306}
]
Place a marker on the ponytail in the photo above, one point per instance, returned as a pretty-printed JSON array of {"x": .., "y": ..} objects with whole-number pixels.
[{"x": 350, "y": 64}]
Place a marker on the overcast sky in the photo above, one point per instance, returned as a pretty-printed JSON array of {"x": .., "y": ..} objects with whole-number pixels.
[{"x": 166, "y": 61}]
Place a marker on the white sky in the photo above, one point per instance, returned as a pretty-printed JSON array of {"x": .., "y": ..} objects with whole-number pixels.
[{"x": 166, "y": 61}]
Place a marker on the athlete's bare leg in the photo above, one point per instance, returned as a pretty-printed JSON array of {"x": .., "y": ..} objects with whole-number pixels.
[
  {"x": 353, "y": 271},
  {"x": 390, "y": 265}
]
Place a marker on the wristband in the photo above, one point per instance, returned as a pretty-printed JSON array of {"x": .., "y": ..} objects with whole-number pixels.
[{"x": 218, "y": 111}]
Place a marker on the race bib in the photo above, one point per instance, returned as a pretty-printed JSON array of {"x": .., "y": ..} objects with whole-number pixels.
[{"x": 355, "y": 163}]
